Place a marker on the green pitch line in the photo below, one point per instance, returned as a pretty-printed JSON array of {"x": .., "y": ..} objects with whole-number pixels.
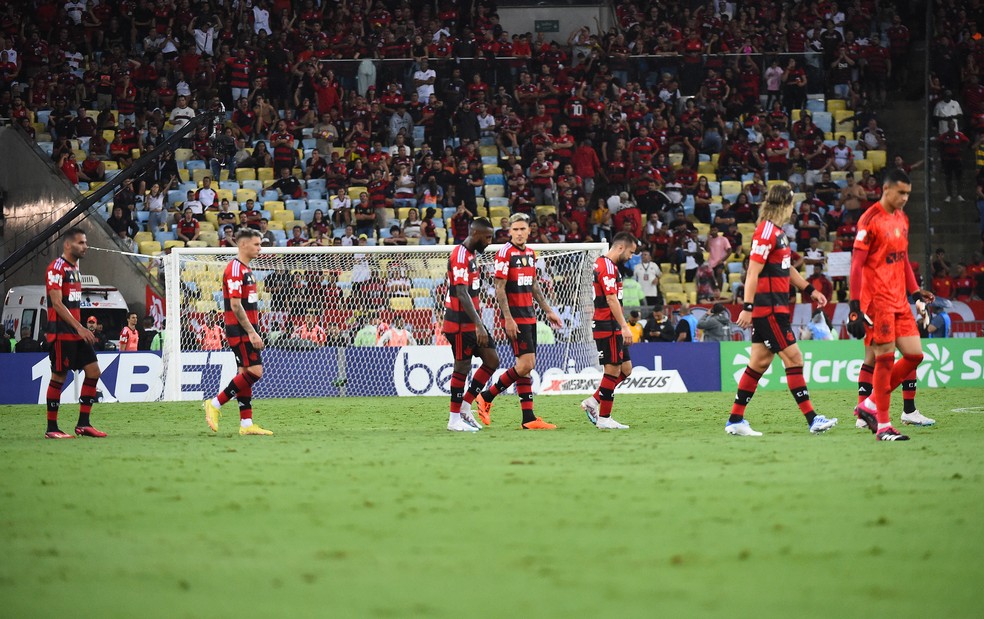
[{"x": 370, "y": 508}]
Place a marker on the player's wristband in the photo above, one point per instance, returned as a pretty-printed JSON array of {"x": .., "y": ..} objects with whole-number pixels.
[
  {"x": 748, "y": 307},
  {"x": 917, "y": 296},
  {"x": 809, "y": 290}
]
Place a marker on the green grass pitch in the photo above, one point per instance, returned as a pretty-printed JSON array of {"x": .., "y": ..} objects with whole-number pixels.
[{"x": 370, "y": 508}]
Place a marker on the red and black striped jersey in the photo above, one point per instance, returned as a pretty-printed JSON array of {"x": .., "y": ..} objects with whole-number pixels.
[
  {"x": 238, "y": 282},
  {"x": 771, "y": 248},
  {"x": 607, "y": 280},
  {"x": 518, "y": 268},
  {"x": 462, "y": 273},
  {"x": 64, "y": 276},
  {"x": 238, "y": 72}
]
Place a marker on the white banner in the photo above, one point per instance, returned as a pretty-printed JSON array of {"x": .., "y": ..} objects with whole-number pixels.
[
  {"x": 641, "y": 381},
  {"x": 838, "y": 264}
]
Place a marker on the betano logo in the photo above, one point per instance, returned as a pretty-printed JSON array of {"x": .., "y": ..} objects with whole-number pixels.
[{"x": 935, "y": 369}]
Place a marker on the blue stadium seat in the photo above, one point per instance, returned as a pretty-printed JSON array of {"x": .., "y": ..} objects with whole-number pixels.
[
  {"x": 496, "y": 202},
  {"x": 280, "y": 235},
  {"x": 268, "y": 195},
  {"x": 232, "y": 186},
  {"x": 495, "y": 179},
  {"x": 318, "y": 184},
  {"x": 111, "y": 174},
  {"x": 715, "y": 187},
  {"x": 315, "y": 194},
  {"x": 315, "y": 204},
  {"x": 163, "y": 237},
  {"x": 143, "y": 217},
  {"x": 490, "y": 160},
  {"x": 816, "y": 105},
  {"x": 175, "y": 195},
  {"x": 295, "y": 205},
  {"x": 824, "y": 120},
  {"x": 309, "y": 143},
  {"x": 307, "y": 216},
  {"x": 256, "y": 186},
  {"x": 449, "y": 212},
  {"x": 47, "y": 147},
  {"x": 42, "y": 116},
  {"x": 423, "y": 302},
  {"x": 194, "y": 164}
]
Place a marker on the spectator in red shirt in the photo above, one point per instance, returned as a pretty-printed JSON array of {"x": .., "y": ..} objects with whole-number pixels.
[{"x": 952, "y": 145}]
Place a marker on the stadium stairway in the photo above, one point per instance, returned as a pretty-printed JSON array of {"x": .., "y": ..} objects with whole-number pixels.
[
  {"x": 952, "y": 225},
  {"x": 36, "y": 195}
]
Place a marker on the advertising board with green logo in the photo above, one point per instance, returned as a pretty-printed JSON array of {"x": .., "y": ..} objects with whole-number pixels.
[{"x": 957, "y": 362}]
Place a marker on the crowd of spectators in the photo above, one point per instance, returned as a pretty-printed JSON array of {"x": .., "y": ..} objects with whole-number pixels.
[{"x": 396, "y": 123}]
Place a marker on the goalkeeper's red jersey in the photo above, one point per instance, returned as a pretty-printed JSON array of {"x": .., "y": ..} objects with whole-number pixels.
[
  {"x": 462, "y": 273},
  {"x": 238, "y": 282},
  {"x": 883, "y": 278}
]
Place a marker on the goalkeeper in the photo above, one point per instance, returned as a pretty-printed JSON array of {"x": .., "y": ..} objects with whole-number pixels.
[{"x": 463, "y": 326}]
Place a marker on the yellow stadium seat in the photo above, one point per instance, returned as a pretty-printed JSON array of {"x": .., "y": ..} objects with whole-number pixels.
[
  {"x": 675, "y": 297},
  {"x": 93, "y": 114},
  {"x": 207, "y": 226},
  {"x": 142, "y": 237},
  {"x": 878, "y": 159},
  {"x": 676, "y": 159},
  {"x": 492, "y": 169},
  {"x": 111, "y": 165},
  {"x": 413, "y": 240},
  {"x": 170, "y": 244},
  {"x": 355, "y": 190},
  {"x": 705, "y": 167},
  {"x": 109, "y": 135},
  {"x": 224, "y": 194},
  {"x": 836, "y": 104},
  {"x": 400, "y": 304},
  {"x": 838, "y": 175},
  {"x": 860, "y": 165},
  {"x": 212, "y": 217},
  {"x": 273, "y": 205},
  {"x": 275, "y": 225},
  {"x": 184, "y": 175},
  {"x": 135, "y": 153},
  {"x": 495, "y": 191},
  {"x": 282, "y": 216},
  {"x": 264, "y": 174},
  {"x": 198, "y": 174},
  {"x": 488, "y": 151},
  {"x": 193, "y": 243},
  {"x": 714, "y": 158},
  {"x": 711, "y": 177},
  {"x": 245, "y": 194},
  {"x": 543, "y": 209},
  {"x": 182, "y": 154},
  {"x": 245, "y": 174},
  {"x": 775, "y": 183},
  {"x": 849, "y": 136},
  {"x": 498, "y": 212},
  {"x": 211, "y": 239},
  {"x": 151, "y": 248},
  {"x": 795, "y": 115},
  {"x": 730, "y": 187}
]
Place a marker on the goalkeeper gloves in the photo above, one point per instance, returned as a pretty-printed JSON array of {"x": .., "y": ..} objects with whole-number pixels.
[{"x": 857, "y": 320}]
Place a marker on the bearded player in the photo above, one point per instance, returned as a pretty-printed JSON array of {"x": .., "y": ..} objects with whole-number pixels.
[
  {"x": 766, "y": 310},
  {"x": 516, "y": 288},
  {"x": 611, "y": 331},
  {"x": 70, "y": 342},
  {"x": 463, "y": 326},
  {"x": 240, "y": 299},
  {"x": 882, "y": 283}
]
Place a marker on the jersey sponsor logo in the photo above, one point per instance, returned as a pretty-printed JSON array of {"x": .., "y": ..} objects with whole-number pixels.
[
  {"x": 524, "y": 280},
  {"x": 862, "y": 233},
  {"x": 252, "y": 298},
  {"x": 502, "y": 267},
  {"x": 235, "y": 285},
  {"x": 75, "y": 296},
  {"x": 609, "y": 282},
  {"x": 896, "y": 256},
  {"x": 786, "y": 262},
  {"x": 460, "y": 273},
  {"x": 54, "y": 278},
  {"x": 759, "y": 249}
]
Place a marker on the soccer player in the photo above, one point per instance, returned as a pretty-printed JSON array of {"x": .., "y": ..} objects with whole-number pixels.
[
  {"x": 463, "y": 326},
  {"x": 611, "y": 332},
  {"x": 70, "y": 342},
  {"x": 910, "y": 414},
  {"x": 881, "y": 277},
  {"x": 766, "y": 309},
  {"x": 241, "y": 322},
  {"x": 129, "y": 335},
  {"x": 516, "y": 288}
]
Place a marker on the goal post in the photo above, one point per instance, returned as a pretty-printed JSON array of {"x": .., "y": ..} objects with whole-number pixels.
[{"x": 324, "y": 312}]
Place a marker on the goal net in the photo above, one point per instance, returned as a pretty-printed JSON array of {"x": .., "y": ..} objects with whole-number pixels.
[{"x": 325, "y": 313}]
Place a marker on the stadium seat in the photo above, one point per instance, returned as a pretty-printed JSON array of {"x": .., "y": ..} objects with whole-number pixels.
[
  {"x": 495, "y": 191},
  {"x": 245, "y": 174},
  {"x": 224, "y": 194},
  {"x": 815, "y": 105},
  {"x": 245, "y": 194},
  {"x": 492, "y": 169},
  {"x": 878, "y": 159},
  {"x": 142, "y": 237},
  {"x": 318, "y": 184},
  {"x": 543, "y": 210},
  {"x": 355, "y": 190},
  {"x": 423, "y": 302},
  {"x": 498, "y": 212},
  {"x": 195, "y": 164},
  {"x": 399, "y": 304},
  {"x": 269, "y": 195},
  {"x": 264, "y": 174},
  {"x": 190, "y": 244},
  {"x": 730, "y": 187},
  {"x": 111, "y": 165},
  {"x": 283, "y": 216},
  {"x": 294, "y": 205},
  {"x": 183, "y": 154},
  {"x": 836, "y": 104},
  {"x": 198, "y": 174},
  {"x": 705, "y": 167},
  {"x": 676, "y": 160},
  {"x": 232, "y": 186},
  {"x": 163, "y": 237},
  {"x": 150, "y": 248},
  {"x": 860, "y": 165},
  {"x": 273, "y": 205}
]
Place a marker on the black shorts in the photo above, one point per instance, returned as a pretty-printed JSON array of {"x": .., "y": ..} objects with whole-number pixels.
[
  {"x": 464, "y": 345},
  {"x": 246, "y": 355},
  {"x": 612, "y": 350},
  {"x": 525, "y": 342},
  {"x": 773, "y": 331},
  {"x": 68, "y": 355}
]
